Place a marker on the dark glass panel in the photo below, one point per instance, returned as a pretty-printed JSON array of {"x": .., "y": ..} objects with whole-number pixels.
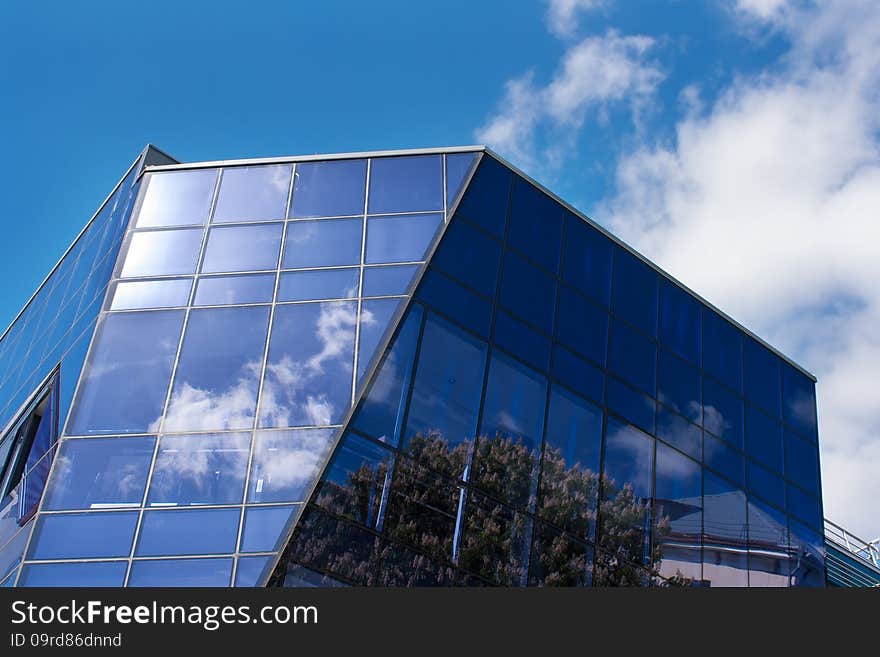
[
  {"x": 725, "y": 532},
  {"x": 88, "y": 574},
  {"x": 808, "y": 561},
  {"x": 798, "y": 402},
  {"x": 719, "y": 456},
  {"x": 633, "y": 357},
  {"x": 231, "y": 290},
  {"x": 457, "y": 167},
  {"x": 242, "y": 248},
  {"x": 527, "y": 291},
  {"x": 496, "y": 542},
  {"x": 249, "y": 570},
  {"x": 325, "y": 243},
  {"x": 559, "y": 560},
  {"x": 586, "y": 262},
  {"x": 519, "y": 339},
  {"x": 681, "y": 434},
  {"x": 802, "y": 463},
  {"x": 162, "y": 252},
  {"x": 175, "y": 198},
  {"x": 83, "y": 535},
  {"x": 124, "y": 384},
  {"x": 722, "y": 413},
  {"x": 634, "y": 296},
  {"x": 535, "y": 225},
  {"x": 319, "y": 284},
  {"x": 188, "y": 531},
  {"x": 763, "y": 438},
  {"x": 263, "y": 527},
  {"x": 400, "y": 238},
  {"x": 570, "y": 467},
  {"x": 297, "y": 576},
  {"x": 629, "y": 403},
  {"x": 94, "y": 473},
  {"x": 310, "y": 363},
  {"x": 804, "y": 506},
  {"x": 581, "y": 325},
  {"x": 386, "y": 281},
  {"x": 253, "y": 193},
  {"x": 765, "y": 484},
  {"x": 761, "y": 376},
  {"x": 181, "y": 572},
  {"x": 199, "y": 469},
  {"x": 678, "y": 386},
  {"x": 678, "y": 517},
  {"x": 722, "y": 350},
  {"x": 406, "y": 184},
  {"x": 578, "y": 374},
  {"x": 402, "y": 567},
  {"x": 127, "y": 295},
  {"x": 769, "y": 558},
  {"x": 509, "y": 450},
  {"x": 218, "y": 371},
  {"x": 469, "y": 255},
  {"x": 456, "y": 301},
  {"x": 285, "y": 464},
  {"x": 329, "y": 189},
  {"x": 680, "y": 321},
  {"x": 486, "y": 198},
  {"x": 375, "y": 318}
]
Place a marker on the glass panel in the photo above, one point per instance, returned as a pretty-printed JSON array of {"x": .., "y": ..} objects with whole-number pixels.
[
  {"x": 769, "y": 554},
  {"x": 681, "y": 434},
  {"x": 386, "y": 281},
  {"x": 535, "y": 225},
  {"x": 586, "y": 262},
  {"x": 678, "y": 517},
  {"x": 470, "y": 256},
  {"x": 176, "y": 198},
  {"x": 242, "y": 248},
  {"x": 761, "y": 376},
  {"x": 161, "y": 252},
  {"x": 406, "y": 184},
  {"x": 98, "y": 473},
  {"x": 83, "y": 535},
  {"x": 570, "y": 468},
  {"x": 249, "y": 570},
  {"x": 804, "y": 506},
  {"x": 89, "y": 574},
  {"x": 528, "y": 292},
  {"x": 509, "y": 450},
  {"x": 582, "y": 325},
  {"x": 633, "y": 357},
  {"x": 446, "y": 392},
  {"x": 765, "y": 484},
  {"x": 253, "y": 193},
  {"x": 188, "y": 531},
  {"x": 486, "y": 198},
  {"x": 725, "y": 532},
  {"x": 263, "y": 527},
  {"x": 200, "y": 469},
  {"x": 763, "y": 438},
  {"x": 456, "y": 301},
  {"x": 375, "y": 318},
  {"x": 218, "y": 372},
  {"x": 518, "y": 338},
  {"x": 401, "y": 238},
  {"x": 578, "y": 374},
  {"x": 285, "y": 464},
  {"x": 680, "y": 321},
  {"x": 329, "y": 189},
  {"x": 181, "y": 572},
  {"x": 323, "y": 243},
  {"x": 678, "y": 386},
  {"x": 557, "y": 560},
  {"x": 150, "y": 294},
  {"x": 721, "y": 457},
  {"x": 722, "y": 350},
  {"x": 635, "y": 291},
  {"x": 124, "y": 385},
  {"x": 309, "y": 370},
  {"x": 808, "y": 549},
  {"x": 496, "y": 542},
  {"x": 231, "y": 290},
  {"x": 802, "y": 463},
  {"x": 798, "y": 402},
  {"x": 319, "y": 284},
  {"x": 457, "y": 167},
  {"x": 722, "y": 413}
]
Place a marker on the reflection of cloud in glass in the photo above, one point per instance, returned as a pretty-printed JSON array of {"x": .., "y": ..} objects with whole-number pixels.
[
  {"x": 286, "y": 463},
  {"x": 714, "y": 421}
]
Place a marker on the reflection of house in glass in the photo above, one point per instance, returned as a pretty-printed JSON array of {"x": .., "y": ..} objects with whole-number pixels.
[{"x": 398, "y": 369}]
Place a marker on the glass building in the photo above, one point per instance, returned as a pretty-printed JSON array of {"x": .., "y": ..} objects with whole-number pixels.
[{"x": 395, "y": 369}]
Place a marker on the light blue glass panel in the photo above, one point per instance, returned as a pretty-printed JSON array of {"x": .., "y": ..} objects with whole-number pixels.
[
  {"x": 181, "y": 572},
  {"x": 286, "y": 463},
  {"x": 387, "y": 281},
  {"x": 162, "y": 252},
  {"x": 150, "y": 294},
  {"x": 375, "y": 317},
  {"x": 242, "y": 248},
  {"x": 263, "y": 527},
  {"x": 249, "y": 569},
  {"x": 400, "y": 238},
  {"x": 83, "y": 535},
  {"x": 176, "y": 198},
  {"x": 89, "y": 574},
  {"x": 324, "y": 243},
  {"x": 457, "y": 167},
  {"x": 329, "y": 189},
  {"x": 319, "y": 284},
  {"x": 188, "y": 531},
  {"x": 230, "y": 290},
  {"x": 253, "y": 193},
  {"x": 406, "y": 184}
]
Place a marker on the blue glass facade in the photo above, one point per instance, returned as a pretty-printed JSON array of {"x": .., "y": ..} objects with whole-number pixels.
[{"x": 413, "y": 369}]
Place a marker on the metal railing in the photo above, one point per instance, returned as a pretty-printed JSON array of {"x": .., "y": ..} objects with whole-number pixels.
[{"x": 867, "y": 550}]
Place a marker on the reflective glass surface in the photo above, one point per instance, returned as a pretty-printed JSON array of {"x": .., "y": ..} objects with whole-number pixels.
[
  {"x": 384, "y": 281},
  {"x": 249, "y": 569},
  {"x": 406, "y": 184},
  {"x": 285, "y": 463},
  {"x": 634, "y": 297},
  {"x": 187, "y": 531},
  {"x": 400, "y": 238},
  {"x": 678, "y": 515},
  {"x": 89, "y": 574},
  {"x": 680, "y": 322},
  {"x": 323, "y": 243},
  {"x": 722, "y": 350},
  {"x": 457, "y": 167},
  {"x": 375, "y": 318},
  {"x": 242, "y": 248},
  {"x": 725, "y": 533},
  {"x": 486, "y": 199},
  {"x": 535, "y": 227},
  {"x": 177, "y": 198},
  {"x": 518, "y": 338},
  {"x": 633, "y": 357},
  {"x": 162, "y": 252},
  {"x": 761, "y": 376},
  {"x": 678, "y": 386},
  {"x": 129, "y": 295},
  {"x": 470, "y": 255},
  {"x": 578, "y": 374},
  {"x": 253, "y": 193},
  {"x": 263, "y": 526},
  {"x": 798, "y": 402},
  {"x": 456, "y": 301},
  {"x": 229, "y": 290},
  {"x": 581, "y": 325},
  {"x": 83, "y": 535},
  {"x": 722, "y": 413},
  {"x": 527, "y": 291},
  {"x": 181, "y": 572},
  {"x": 763, "y": 438},
  {"x": 319, "y": 284},
  {"x": 586, "y": 263},
  {"x": 329, "y": 189}
]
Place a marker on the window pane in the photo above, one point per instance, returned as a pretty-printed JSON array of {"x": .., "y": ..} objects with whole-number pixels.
[
  {"x": 809, "y": 545},
  {"x": 724, "y": 533},
  {"x": 309, "y": 369},
  {"x": 83, "y": 535},
  {"x": 763, "y": 438},
  {"x": 535, "y": 225},
  {"x": 456, "y": 301},
  {"x": 802, "y": 463},
  {"x": 528, "y": 292},
  {"x": 798, "y": 402},
  {"x": 582, "y": 325},
  {"x": 401, "y": 238},
  {"x": 470, "y": 256},
  {"x": 263, "y": 527},
  {"x": 518, "y": 338},
  {"x": 578, "y": 374},
  {"x": 323, "y": 243},
  {"x": 678, "y": 386},
  {"x": 632, "y": 356},
  {"x": 486, "y": 198},
  {"x": 386, "y": 281},
  {"x": 722, "y": 413},
  {"x": 249, "y": 569},
  {"x": 161, "y": 252},
  {"x": 509, "y": 450},
  {"x": 286, "y": 463},
  {"x": 175, "y": 198},
  {"x": 457, "y": 167},
  {"x": 570, "y": 469},
  {"x": 681, "y": 434},
  {"x": 406, "y": 184},
  {"x": 231, "y": 290},
  {"x": 446, "y": 392},
  {"x": 761, "y": 376},
  {"x": 96, "y": 473},
  {"x": 678, "y": 516},
  {"x": 719, "y": 456},
  {"x": 557, "y": 560},
  {"x": 722, "y": 350},
  {"x": 630, "y": 404},
  {"x": 215, "y": 386},
  {"x": 150, "y": 294},
  {"x": 769, "y": 555},
  {"x": 804, "y": 506},
  {"x": 375, "y": 318},
  {"x": 320, "y": 284},
  {"x": 188, "y": 531},
  {"x": 242, "y": 248},
  {"x": 181, "y": 572},
  {"x": 496, "y": 542},
  {"x": 329, "y": 189},
  {"x": 200, "y": 469},
  {"x": 635, "y": 291},
  {"x": 680, "y": 321},
  {"x": 765, "y": 484},
  {"x": 124, "y": 385},
  {"x": 587, "y": 259},
  {"x": 89, "y": 574},
  {"x": 253, "y": 193}
]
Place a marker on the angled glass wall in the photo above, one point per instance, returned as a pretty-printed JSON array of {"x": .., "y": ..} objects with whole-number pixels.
[
  {"x": 553, "y": 411},
  {"x": 244, "y": 312}
]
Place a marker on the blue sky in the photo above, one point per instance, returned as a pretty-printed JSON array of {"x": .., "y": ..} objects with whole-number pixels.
[{"x": 735, "y": 142}]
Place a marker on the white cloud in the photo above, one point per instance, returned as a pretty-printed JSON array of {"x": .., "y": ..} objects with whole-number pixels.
[
  {"x": 767, "y": 204},
  {"x": 562, "y": 14}
]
